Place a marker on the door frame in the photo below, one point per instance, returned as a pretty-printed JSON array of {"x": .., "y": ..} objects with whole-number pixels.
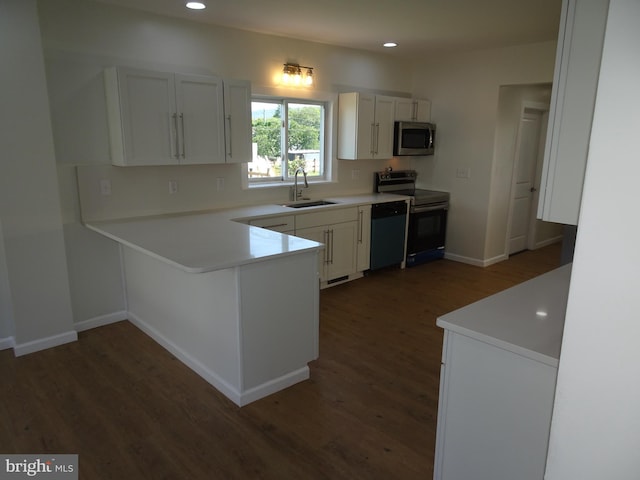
[{"x": 541, "y": 108}]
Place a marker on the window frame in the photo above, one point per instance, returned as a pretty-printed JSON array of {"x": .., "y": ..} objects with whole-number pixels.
[{"x": 324, "y": 158}]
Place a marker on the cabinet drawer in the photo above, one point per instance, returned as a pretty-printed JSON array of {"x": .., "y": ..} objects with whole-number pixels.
[
  {"x": 285, "y": 223},
  {"x": 326, "y": 217}
]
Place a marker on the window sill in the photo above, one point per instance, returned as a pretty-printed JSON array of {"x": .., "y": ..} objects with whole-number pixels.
[{"x": 259, "y": 185}]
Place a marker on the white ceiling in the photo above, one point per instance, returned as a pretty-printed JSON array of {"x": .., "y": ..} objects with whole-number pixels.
[{"x": 418, "y": 26}]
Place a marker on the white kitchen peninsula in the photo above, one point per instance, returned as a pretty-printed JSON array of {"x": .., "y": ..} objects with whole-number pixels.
[
  {"x": 238, "y": 304},
  {"x": 497, "y": 381}
]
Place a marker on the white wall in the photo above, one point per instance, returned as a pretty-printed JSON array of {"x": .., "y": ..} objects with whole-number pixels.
[
  {"x": 464, "y": 91},
  {"x": 595, "y": 431},
  {"x": 32, "y": 234}
]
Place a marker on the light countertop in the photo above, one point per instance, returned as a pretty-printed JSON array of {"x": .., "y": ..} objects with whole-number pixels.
[
  {"x": 513, "y": 319},
  {"x": 206, "y": 241}
]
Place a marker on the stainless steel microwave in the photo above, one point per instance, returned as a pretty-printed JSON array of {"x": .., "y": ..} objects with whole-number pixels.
[{"x": 414, "y": 138}]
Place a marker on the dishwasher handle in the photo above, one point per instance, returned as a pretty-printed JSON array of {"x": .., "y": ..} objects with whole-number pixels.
[{"x": 388, "y": 209}]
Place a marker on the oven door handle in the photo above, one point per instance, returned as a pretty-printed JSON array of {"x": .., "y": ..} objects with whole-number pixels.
[{"x": 430, "y": 208}]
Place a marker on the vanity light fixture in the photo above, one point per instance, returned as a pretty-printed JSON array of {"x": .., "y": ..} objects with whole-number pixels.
[
  {"x": 196, "y": 5},
  {"x": 292, "y": 74}
]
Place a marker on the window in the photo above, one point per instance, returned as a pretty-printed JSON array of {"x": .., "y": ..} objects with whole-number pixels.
[{"x": 286, "y": 125}]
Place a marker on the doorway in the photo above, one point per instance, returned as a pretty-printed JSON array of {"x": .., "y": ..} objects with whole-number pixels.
[{"x": 527, "y": 171}]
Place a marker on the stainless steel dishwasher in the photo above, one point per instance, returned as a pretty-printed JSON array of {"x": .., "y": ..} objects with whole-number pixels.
[{"x": 388, "y": 226}]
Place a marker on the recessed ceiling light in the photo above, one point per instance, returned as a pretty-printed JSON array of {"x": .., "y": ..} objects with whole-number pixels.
[
  {"x": 390, "y": 44},
  {"x": 196, "y": 5}
]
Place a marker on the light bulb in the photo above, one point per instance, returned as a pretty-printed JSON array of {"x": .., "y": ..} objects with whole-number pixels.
[{"x": 196, "y": 5}]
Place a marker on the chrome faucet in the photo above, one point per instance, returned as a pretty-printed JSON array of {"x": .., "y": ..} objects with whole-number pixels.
[{"x": 295, "y": 193}]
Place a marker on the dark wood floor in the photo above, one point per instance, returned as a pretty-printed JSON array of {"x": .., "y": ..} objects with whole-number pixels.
[{"x": 132, "y": 411}]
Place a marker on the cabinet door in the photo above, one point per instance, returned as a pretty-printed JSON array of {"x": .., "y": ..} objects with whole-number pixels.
[
  {"x": 237, "y": 112},
  {"x": 365, "y": 126},
  {"x": 575, "y": 82},
  {"x": 200, "y": 119},
  {"x": 364, "y": 238},
  {"x": 142, "y": 117},
  {"x": 412, "y": 110},
  {"x": 341, "y": 251},
  {"x": 318, "y": 234},
  {"x": 422, "y": 110},
  {"x": 404, "y": 109},
  {"x": 384, "y": 118},
  {"x": 284, "y": 224}
]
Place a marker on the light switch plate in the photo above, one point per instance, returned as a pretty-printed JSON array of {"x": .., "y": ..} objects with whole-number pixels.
[
  {"x": 105, "y": 187},
  {"x": 463, "y": 172}
]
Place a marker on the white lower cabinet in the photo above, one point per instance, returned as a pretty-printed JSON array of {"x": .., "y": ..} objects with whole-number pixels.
[
  {"x": 494, "y": 412},
  {"x": 345, "y": 232},
  {"x": 497, "y": 381},
  {"x": 338, "y": 231}
]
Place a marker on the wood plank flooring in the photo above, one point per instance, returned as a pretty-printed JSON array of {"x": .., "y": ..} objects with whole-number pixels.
[{"x": 132, "y": 411}]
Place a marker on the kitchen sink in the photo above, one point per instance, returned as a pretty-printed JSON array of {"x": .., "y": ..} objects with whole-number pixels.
[{"x": 312, "y": 203}]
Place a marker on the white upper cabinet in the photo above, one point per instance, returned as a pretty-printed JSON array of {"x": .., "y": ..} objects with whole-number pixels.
[
  {"x": 365, "y": 126},
  {"x": 412, "y": 110},
  {"x": 575, "y": 81},
  {"x": 237, "y": 115},
  {"x": 158, "y": 118}
]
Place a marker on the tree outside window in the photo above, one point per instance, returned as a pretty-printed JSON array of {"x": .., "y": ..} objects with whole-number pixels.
[{"x": 296, "y": 124}]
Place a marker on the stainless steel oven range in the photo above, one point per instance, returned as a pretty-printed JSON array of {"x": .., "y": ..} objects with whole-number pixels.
[{"x": 427, "y": 214}]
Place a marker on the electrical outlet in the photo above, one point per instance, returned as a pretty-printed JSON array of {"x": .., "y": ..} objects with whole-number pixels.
[
  {"x": 463, "y": 172},
  {"x": 220, "y": 184},
  {"x": 173, "y": 186},
  {"x": 355, "y": 174},
  {"x": 105, "y": 187}
]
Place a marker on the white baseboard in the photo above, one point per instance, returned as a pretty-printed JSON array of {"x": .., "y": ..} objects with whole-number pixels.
[
  {"x": 548, "y": 242},
  {"x": 100, "y": 321},
  {"x": 239, "y": 398},
  {"x": 274, "y": 386},
  {"x": 6, "y": 343},
  {"x": 44, "y": 343},
  {"x": 462, "y": 259},
  {"x": 496, "y": 259}
]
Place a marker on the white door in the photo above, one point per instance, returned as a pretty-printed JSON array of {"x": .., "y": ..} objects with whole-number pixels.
[{"x": 524, "y": 187}]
